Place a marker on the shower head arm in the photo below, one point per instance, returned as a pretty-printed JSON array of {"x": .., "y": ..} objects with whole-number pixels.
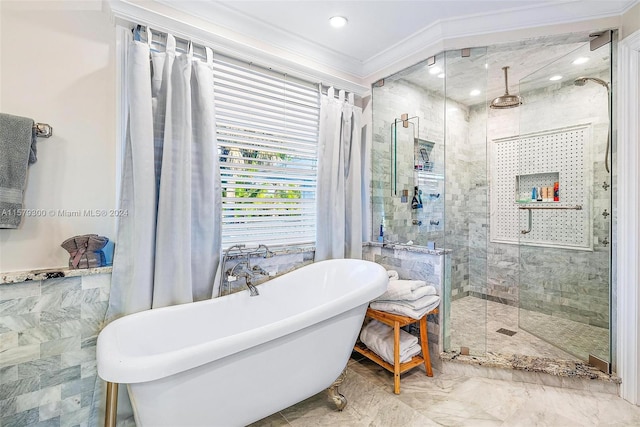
[{"x": 506, "y": 81}]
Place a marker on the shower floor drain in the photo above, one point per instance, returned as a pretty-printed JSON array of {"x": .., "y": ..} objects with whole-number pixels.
[{"x": 506, "y": 332}]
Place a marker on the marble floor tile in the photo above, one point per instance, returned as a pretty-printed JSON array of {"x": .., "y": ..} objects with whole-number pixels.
[
  {"x": 450, "y": 399},
  {"x": 475, "y": 322}
]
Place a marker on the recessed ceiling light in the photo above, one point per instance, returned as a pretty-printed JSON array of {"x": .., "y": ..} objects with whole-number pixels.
[
  {"x": 580, "y": 60},
  {"x": 556, "y": 77},
  {"x": 475, "y": 92},
  {"x": 434, "y": 70},
  {"x": 338, "y": 21},
  {"x": 441, "y": 75}
]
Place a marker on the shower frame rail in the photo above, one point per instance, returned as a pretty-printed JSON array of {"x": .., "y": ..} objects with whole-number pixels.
[{"x": 530, "y": 208}]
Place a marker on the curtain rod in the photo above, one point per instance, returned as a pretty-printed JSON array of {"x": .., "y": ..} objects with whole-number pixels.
[{"x": 140, "y": 34}]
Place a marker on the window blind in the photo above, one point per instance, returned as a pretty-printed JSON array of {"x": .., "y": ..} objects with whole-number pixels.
[{"x": 267, "y": 131}]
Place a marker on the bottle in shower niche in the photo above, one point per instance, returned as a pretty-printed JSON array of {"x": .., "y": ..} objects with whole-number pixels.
[
  {"x": 539, "y": 198},
  {"x": 534, "y": 194},
  {"x": 556, "y": 191}
]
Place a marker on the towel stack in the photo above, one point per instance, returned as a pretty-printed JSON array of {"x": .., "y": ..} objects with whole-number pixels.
[
  {"x": 378, "y": 337},
  {"x": 412, "y": 298}
]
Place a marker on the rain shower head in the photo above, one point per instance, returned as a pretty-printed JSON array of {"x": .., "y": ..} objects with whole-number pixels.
[
  {"x": 506, "y": 100},
  {"x": 581, "y": 81}
]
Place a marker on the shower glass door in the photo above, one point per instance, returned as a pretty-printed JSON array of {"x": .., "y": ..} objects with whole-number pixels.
[
  {"x": 561, "y": 207},
  {"x": 466, "y": 200}
]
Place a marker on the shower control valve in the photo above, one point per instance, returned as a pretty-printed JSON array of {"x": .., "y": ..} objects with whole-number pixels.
[
  {"x": 605, "y": 214},
  {"x": 605, "y": 185}
]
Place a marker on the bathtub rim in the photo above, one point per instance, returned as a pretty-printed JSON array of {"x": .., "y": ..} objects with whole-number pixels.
[{"x": 115, "y": 366}]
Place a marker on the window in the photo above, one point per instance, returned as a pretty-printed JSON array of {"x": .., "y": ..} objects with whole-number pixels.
[{"x": 267, "y": 129}]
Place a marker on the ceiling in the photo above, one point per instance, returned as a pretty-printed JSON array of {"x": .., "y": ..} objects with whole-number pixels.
[
  {"x": 531, "y": 64},
  {"x": 380, "y": 33}
]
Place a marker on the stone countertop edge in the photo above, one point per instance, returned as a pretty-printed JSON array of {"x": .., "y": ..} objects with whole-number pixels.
[
  {"x": 50, "y": 273},
  {"x": 409, "y": 248},
  {"x": 561, "y": 368}
]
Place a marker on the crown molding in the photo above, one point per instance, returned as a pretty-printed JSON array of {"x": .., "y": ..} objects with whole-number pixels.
[
  {"x": 482, "y": 29},
  {"x": 183, "y": 24},
  {"x": 234, "y": 33},
  {"x": 248, "y": 26}
]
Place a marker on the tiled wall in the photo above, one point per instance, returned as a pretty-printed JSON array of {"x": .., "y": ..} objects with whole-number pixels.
[
  {"x": 388, "y": 181},
  {"x": 567, "y": 283},
  {"x": 48, "y": 332},
  {"x": 389, "y": 102},
  {"x": 418, "y": 266},
  {"x": 280, "y": 264}
]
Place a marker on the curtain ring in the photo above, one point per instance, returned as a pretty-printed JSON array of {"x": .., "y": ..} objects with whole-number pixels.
[
  {"x": 190, "y": 48},
  {"x": 171, "y": 44},
  {"x": 209, "y": 55}
]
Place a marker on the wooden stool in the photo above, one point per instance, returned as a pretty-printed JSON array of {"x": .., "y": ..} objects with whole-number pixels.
[{"x": 397, "y": 321}]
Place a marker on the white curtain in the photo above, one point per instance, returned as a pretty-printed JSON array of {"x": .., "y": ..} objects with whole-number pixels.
[
  {"x": 339, "y": 198},
  {"x": 168, "y": 246},
  {"x": 169, "y": 243}
]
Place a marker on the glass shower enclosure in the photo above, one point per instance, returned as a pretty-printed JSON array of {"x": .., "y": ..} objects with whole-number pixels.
[
  {"x": 564, "y": 234},
  {"x": 525, "y": 275}
]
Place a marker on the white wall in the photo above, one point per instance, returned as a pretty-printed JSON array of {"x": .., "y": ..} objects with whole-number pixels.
[
  {"x": 58, "y": 67},
  {"x": 631, "y": 21}
]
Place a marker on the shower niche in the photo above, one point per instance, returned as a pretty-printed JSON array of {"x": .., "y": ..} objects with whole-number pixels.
[{"x": 537, "y": 187}]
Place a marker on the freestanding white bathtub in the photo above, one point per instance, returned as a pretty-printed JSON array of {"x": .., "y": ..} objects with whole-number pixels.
[{"x": 233, "y": 360}]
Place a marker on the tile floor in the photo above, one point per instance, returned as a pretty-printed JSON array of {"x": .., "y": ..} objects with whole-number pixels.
[
  {"x": 453, "y": 400},
  {"x": 468, "y": 329}
]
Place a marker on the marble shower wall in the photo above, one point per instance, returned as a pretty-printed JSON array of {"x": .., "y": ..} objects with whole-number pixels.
[
  {"x": 572, "y": 284},
  {"x": 419, "y": 264},
  {"x": 389, "y": 102}
]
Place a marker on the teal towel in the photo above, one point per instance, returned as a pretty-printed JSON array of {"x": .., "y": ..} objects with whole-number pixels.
[{"x": 17, "y": 151}]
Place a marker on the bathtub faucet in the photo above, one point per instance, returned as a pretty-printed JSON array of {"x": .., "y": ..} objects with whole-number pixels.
[
  {"x": 267, "y": 252},
  {"x": 242, "y": 269}
]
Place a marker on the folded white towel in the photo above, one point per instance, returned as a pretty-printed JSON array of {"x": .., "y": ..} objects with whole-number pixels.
[
  {"x": 378, "y": 337},
  {"x": 414, "y": 309},
  {"x": 406, "y": 290},
  {"x": 393, "y": 275}
]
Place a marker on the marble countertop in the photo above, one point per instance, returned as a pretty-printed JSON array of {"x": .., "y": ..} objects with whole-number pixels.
[
  {"x": 50, "y": 273},
  {"x": 410, "y": 248}
]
